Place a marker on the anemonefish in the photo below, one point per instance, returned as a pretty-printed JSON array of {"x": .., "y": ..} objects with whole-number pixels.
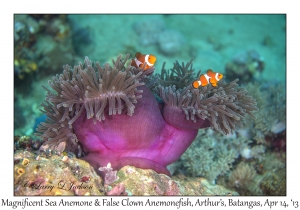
[
  {"x": 140, "y": 59},
  {"x": 209, "y": 78}
]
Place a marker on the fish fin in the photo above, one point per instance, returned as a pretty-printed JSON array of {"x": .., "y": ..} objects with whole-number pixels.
[
  {"x": 133, "y": 63},
  {"x": 213, "y": 82},
  {"x": 209, "y": 70},
  {"x": 195, "y": 84}
]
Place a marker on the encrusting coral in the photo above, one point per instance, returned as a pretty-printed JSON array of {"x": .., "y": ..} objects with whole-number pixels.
[
  {"x": 211, "y": 155},
  {"x": 108, "y": 115}
]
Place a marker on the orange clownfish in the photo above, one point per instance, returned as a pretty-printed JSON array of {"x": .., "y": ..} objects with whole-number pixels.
[
  {"x": 210, "y": 77},
  {"x": 141, "y": 59}
]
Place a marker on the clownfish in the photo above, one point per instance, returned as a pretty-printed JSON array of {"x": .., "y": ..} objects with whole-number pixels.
[
  {"x": 209, "y": 78},
  {"x": 141, "y": 59}
]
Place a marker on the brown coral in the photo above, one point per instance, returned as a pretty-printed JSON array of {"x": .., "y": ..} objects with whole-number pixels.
[{"x": 242, "y": 177}]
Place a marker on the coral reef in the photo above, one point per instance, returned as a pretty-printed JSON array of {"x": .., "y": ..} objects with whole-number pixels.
[
  {"x": 242, "y": 176},
  {"x": 38, "y": 41},
  {"x": 147, "y": 182},
  {"x": 245, "y": 65},
  {"x": 274, "y": 182},
  {"x": 253, "y": 152},
  {"x": 33, "y": 31},
  {"x": 25, "y": 34},
  {"x": 262, "y": 176},
  {"x": 26, "y": 142},
  {"x": 242, "y": 156},
  {"x": 270, "y": 123},
  {"x": 117, "y": 190},
  {"x": 67, "y": 175},
  {"x": 36, "y": 174},
  {"x": 211, "y": 155},
  {"x": 110, "y": 116},
  {"x": 219, "y": 159}
]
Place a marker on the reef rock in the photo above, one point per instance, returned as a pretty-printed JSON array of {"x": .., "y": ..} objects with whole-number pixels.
[
  {"x": 66, "y": 175},
  {"x": 147, "y": 182},
  {"x": 54, "y": 175}
]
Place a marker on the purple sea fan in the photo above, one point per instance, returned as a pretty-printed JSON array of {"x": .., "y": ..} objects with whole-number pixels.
[{"x": 111, "y": 116}]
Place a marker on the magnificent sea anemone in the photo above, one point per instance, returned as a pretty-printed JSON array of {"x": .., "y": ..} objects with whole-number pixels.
[{"x": 116, "y": 114}]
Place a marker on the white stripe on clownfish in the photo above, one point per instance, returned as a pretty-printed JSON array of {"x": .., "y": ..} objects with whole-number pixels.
[
  {"x": 138, "y": 63},
  {"x": 146, "y": 60},
  {"x": 206, "y": 77},
  {"x": 216, "y": 77}
]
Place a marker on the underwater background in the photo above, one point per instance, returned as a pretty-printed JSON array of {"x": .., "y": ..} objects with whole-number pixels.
[{"x": 252, "y": 48}]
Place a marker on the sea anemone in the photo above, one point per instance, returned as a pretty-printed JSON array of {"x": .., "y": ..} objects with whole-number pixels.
[
  {"x": 80, "y": 90},
  {"x": 109, "y": 115},
  {"x": 224, "y": 107}
]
